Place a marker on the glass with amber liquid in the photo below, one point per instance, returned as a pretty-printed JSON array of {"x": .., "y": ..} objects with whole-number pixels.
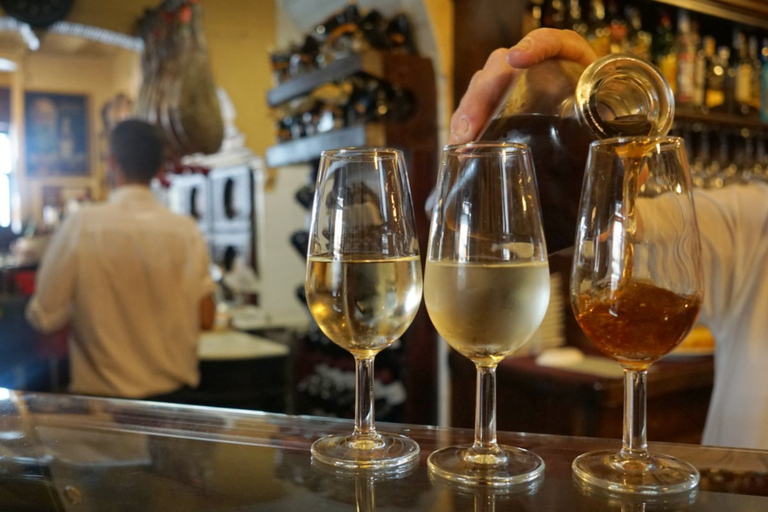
[
  {"x": 363, "y": 286},
  {"x": 636, "y": 291},
  {"x": 486, "y": 288}
]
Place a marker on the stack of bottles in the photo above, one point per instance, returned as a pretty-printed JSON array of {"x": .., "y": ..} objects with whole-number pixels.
[
  {"x": 725, "y": 71},
  {"x": 358, "y": 99},
  {"x": 342, "y": 33}
]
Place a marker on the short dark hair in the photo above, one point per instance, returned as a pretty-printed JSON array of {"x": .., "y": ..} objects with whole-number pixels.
[{"x": 137, "y": 148}]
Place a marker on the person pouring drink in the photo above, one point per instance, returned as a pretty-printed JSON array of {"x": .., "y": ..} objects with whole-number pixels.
[{"x": 732, "y": 221}]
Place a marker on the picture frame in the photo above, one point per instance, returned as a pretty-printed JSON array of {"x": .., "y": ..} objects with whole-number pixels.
[{"x": 56, "y": 136}]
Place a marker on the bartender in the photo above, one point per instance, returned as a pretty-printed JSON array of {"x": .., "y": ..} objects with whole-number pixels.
[
  {"x": 131, "y": 279},
  {"x": 733, "y": 223}
]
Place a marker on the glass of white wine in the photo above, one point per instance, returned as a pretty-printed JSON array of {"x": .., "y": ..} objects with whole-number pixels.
[
  {"x": 486, "y": 289},
  {"x": 363, "y": 286}
]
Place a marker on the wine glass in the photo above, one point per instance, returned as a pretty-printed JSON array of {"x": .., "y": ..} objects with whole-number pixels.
[
  {"x": 486, "y": 289},
  {"x": 363, "y": 285},
  {"x": 636, "y": 290}
]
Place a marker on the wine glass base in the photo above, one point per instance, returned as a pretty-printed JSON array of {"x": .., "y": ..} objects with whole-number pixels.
[
  {"x": 655, "y": 475},
  {"x": 386, "y": 452},
  {"x": 510, "y": 467}
]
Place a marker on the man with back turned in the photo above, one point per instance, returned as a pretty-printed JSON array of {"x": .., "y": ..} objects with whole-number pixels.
[{"x": 131, "y": 280}]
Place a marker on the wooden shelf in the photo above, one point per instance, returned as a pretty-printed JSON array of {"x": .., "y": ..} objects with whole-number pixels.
[
  {"x": 303, "y": 150},
  {"x": 748, "y": 12},
  {"x": 734, "y": 121},
  {"x": 369, "y": 62}
]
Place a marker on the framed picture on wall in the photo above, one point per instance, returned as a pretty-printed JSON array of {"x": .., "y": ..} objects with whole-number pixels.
[{"x": 56, "y": 134}]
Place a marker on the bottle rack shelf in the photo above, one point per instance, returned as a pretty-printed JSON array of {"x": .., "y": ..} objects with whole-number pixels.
[
  {"x": 411, "y": 72},
  {"x": 749, "y": 12},
  {"x": 368, "y": 62},
  {"x": 721, "y": 119},
  {"x": 309, "y": 148}
]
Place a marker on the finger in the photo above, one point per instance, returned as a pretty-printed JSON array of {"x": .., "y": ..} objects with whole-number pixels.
[
  {"x": 485, "y": 90},
  {"x": 546, "y": 43}
]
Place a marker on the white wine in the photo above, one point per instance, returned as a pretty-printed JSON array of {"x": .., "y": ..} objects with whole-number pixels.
[
  {"x": 364, "y": 305},
  {"x": 486, "y": 311}
]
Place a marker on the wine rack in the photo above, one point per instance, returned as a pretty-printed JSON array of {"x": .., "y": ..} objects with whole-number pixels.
[{"x": 323, "y": 372}]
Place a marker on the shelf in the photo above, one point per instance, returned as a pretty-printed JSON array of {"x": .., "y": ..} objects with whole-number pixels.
[
  {"x": 369, "y": 62},
  {"x": 303, "y": 150},
  {"x": 749, "y": 12},
  {"x": 718, "y": 118}
]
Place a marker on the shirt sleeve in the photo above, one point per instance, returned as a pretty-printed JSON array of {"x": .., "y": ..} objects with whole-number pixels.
[
  {"x": 50, "y": 306},
  {"x": 206, "y": 282}
]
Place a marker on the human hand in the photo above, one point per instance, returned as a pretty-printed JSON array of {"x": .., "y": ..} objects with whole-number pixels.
[{"x": 489, "y": 84}]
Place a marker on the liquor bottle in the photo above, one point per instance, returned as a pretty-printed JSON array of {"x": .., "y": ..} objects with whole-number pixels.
[
  {"x": 617, "y": 95},
  {"x": 663, "y": 50},
  {"x": 743, "y": 86},
  {"x": 639, "y": 40},
  {"x": 575, "y": 20},
  {"x": 598, "y": 33},
  {"x": 764, "y": 88},
  {"x": 729, "y": 61},
  {"x": 756, "y": 76},
  {"x": 686, "y": 57},
  {"x": 714, "y": 97},
  {"x": 701, "y": 65}
]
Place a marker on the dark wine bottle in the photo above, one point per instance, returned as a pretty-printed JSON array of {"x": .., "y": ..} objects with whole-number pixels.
[{"x": 558, "y": 108}]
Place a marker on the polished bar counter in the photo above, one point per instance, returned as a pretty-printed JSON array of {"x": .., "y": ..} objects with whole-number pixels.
[{"x": 62, "y": 452}]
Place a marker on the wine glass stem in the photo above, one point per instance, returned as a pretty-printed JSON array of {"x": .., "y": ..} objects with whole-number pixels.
[
  {"x": 364, "y": 413},
  {"x": 485, "y": 410},
  {"x": 634, "y": 442}
]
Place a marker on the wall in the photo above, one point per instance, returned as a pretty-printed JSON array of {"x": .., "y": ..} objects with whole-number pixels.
[{"x": 99, "y": 79}]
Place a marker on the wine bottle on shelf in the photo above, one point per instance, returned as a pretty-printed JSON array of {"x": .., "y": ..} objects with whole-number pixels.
[
  {"x": 730, "y": 61},
  {"x": 305, "y": 196},
  {"x": 704, "y": 61},
  {"x": 663, "y": 50},
  {"x": 756, "y": 76},
  {"x": 764, "y": 81},
  {"x": 717, "y": 70},
  {"x": 300, "y": 242},
  {"x": 686, "y": 57},
  {"x": 743, "y": 85},
  {"x": 400, "y": 35}
]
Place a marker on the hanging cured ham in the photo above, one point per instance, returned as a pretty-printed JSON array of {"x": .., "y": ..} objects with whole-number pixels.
[{"x": 178, "y": 92}]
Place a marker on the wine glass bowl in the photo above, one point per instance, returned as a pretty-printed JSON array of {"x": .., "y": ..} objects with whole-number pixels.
[
  {"x": 636, "y": 290},
  {"x": 363, "y": 286},
  {"x": 486, "y": 289}
]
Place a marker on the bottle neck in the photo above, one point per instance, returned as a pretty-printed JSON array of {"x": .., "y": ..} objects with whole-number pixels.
[{"x": 621, "y": 95}]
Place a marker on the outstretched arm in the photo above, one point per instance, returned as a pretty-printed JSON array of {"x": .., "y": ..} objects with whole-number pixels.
[{"x": 489, "y": 84}]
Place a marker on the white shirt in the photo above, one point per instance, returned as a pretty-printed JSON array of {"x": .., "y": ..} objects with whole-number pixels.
[
  {"x": 734, "y": 234},
  {"x": 129, "y": 276}
]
